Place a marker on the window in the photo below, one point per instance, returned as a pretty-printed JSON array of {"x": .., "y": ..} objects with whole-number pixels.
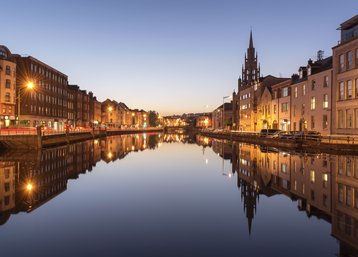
[
  {"x": 313, "y": 85},
  {"x": 340, "y": 119},
  {"x": 340, "y": 193},
  {"x": 324, "y": 121},
  {"x": 348, "y": 196},
  {"x": 8, "y": 83},
  {"x": 356, "y": 118},
  {"x": 312, "y": 176},
  {"x": 7, "y": 97},
  {"x": 349, "y": 118},
  {"x": 8, "y": 70},
  {"x": 349, "y": 60},
  {"x": 341, "y": 63},
  {"x": 313, "y": 103},
  {"x": 356, "y": 88},
  {"x": 304, "y": 90},
  {"x": 325, "y": 81},
  {"x": 357, "y": 57},
  {"x": 325, "y": 101},
  {"x": 284, "y": 107},
  {"x": 312, "y": 122},
  {"x": 283, "y": 167},
  {"x": 296, "y": 92},
  {"x": 274, "y": 108},
  {"x": 349, "y": 89},
  {"x": 341, "y": 90},
  {"x": 284, "y": 92},
  {"x": 303, "y": 109}
]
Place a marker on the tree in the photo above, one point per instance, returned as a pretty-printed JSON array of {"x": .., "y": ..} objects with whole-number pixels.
[{"x": 153, "y": 118}]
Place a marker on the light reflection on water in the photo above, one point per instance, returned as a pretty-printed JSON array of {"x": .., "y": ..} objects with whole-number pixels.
[{"x": 177, "y": 195}]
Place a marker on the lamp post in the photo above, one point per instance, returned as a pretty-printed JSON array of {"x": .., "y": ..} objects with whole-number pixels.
[
  {"x": 110, "y": 109},
  {"x": 29, "y": 85},
  {"x": 224, "y": 97}
]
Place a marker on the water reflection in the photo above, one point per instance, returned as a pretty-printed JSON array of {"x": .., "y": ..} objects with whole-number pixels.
[
  {"x": 30, "y": 179},
  {"x": 323, "y": 185}
]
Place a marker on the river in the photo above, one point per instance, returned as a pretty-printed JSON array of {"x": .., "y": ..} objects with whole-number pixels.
[{"x": 177, "y": 195}]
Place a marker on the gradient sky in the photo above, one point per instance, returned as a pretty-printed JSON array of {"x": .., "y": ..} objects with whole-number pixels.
[{"x": 167, "y": 55}]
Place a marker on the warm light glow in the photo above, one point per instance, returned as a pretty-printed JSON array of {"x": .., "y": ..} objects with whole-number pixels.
[
  {"x": 110, "y": 108},
  {"x": 325, "y": 177},
  {"x": 132, "y": 147},
  {"x": 95, "y": 141},
  {"x": 132, "y": 114},
  {"x": 30, "y": 85},
  {"x": 29, "y": 187},
  {"x": 109, "y": 155}
]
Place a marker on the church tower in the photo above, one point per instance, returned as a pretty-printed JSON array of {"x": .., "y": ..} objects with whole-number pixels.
[{"x": 251, "y": 69}]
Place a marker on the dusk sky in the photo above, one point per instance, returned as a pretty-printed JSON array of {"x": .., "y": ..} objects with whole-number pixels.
[{"x": 170, "y": 56}]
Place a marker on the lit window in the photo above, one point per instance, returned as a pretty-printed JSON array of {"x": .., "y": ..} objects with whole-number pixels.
[
  {"x": 313, "y": 103},
  {"x": 325, "y": 101}
]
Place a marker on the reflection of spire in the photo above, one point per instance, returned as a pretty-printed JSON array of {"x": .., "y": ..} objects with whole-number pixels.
[{"x": 250, "y": 196}]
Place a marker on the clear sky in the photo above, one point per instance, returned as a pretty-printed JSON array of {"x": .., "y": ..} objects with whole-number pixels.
[{"x": 173, "y": 56}]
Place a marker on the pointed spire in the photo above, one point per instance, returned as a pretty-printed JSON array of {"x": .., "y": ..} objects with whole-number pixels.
[{"x": 251, "y": 45}]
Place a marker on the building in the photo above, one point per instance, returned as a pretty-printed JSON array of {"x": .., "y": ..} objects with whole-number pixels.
[
  {"x": 311, "y": 93},
  {"x": 203, "y": 121},
  {"x": 110, "y": 114},
  {"x": 42, "y": 94},
  {"x": 279, "y": 115},
  {"x": 345, "y": 80},
  {"x": 247, "y": 112},
  {"x": 222, "y": 116},
  {"x": 244, "y": 99},
  {"x": 7, "y": 88}
]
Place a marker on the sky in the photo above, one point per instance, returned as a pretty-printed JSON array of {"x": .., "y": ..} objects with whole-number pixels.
[{"x": 172, "y": 56}]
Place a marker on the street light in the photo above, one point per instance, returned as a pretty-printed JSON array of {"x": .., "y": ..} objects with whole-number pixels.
[
  {"x": 224, "y": 97},
  {"x": 30, "y": 86}
]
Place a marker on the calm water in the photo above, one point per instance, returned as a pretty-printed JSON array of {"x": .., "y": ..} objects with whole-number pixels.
[{"x": 174, "y": 195}]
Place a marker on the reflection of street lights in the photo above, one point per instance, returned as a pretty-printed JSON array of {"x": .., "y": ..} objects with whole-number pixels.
[
  {"x": 224, "y": 97},
  {"x": 30, "y": 86}
]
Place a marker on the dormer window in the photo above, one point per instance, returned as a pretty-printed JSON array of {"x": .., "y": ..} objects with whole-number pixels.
[
  {"x": 308, "y": 70},
  {"x": 300, "y": 73}
]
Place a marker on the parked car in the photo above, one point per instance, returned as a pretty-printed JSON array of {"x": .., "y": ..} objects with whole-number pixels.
[
  {"x": 308, "y": 135},
  {"x": 269, "y": 133},
  {"x": 285, "y": 135}
]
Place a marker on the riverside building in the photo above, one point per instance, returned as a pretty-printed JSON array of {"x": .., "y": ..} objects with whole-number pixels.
[
  {"x": 41, "y": 94},
  {"x": 7, "y": 88}
]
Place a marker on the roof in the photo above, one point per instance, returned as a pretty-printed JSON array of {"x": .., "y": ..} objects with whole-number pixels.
[
  {"x": 349, "y": 23},
  {"x": 228, "y": 107}
]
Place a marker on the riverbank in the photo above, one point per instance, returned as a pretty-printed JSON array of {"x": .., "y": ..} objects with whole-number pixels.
[
  {"x": 330, "y": 144},
  {"x": 43, "y": 139}
]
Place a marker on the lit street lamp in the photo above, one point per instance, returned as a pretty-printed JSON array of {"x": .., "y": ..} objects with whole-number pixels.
[{"x": 30, "y": 86}]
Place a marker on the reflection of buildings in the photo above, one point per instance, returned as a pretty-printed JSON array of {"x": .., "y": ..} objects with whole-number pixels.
[
  {"x": 30, "y": 180},
  {"x": 325, "y": 186}
]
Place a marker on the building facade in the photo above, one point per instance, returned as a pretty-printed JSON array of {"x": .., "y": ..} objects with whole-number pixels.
[
  {"x": 7, "y": 88},
  {"x": 42, "y": 94},
  {"x": 345, "y": 80}
]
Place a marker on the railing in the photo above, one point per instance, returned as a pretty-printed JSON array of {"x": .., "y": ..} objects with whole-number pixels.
[
  {"x": 47, "y": 132},
  {"x": 332, "y": 139}
]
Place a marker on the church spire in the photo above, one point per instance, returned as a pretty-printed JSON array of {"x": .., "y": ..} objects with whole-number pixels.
[
  {"x": 251, "y": 72},
  {"x": 251, "y": 44}
]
